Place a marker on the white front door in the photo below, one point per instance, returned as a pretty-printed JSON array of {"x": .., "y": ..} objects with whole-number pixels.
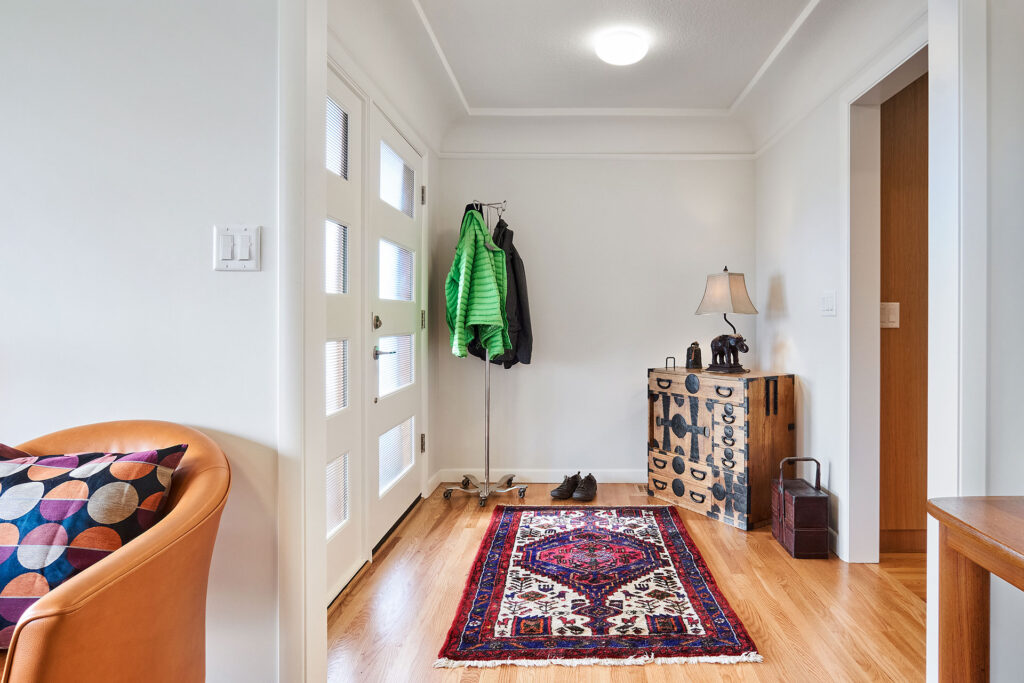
[
  {"x": 344, "y": 345},
  {"x": 393, "y": 389}
]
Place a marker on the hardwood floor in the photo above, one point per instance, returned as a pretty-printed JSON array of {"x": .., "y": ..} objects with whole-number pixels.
[{"x": 812, "y": 620}]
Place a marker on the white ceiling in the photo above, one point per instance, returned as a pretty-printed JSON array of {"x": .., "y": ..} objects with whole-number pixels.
[{"x": 516, "y": 56}]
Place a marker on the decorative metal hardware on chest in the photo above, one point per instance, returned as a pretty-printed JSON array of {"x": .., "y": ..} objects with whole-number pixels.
[{"x": 713, "y": 440}]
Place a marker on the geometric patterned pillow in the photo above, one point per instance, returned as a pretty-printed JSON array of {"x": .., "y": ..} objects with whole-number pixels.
[{"x": 62, "y": 513}]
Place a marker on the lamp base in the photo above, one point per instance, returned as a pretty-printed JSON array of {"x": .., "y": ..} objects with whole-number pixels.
[
  {"x": 726, "y": 369},
  {"x": 725, "y": 353}
]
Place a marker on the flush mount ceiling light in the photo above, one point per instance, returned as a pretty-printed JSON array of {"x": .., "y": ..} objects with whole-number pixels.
[{"x": 621, "y": 46}]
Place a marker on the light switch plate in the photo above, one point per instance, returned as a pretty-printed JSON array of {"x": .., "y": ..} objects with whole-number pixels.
[
  {"x": 890, "y": 314},
  {"x": 828, "y": 303},
  {"x": 236, "y": 247}
]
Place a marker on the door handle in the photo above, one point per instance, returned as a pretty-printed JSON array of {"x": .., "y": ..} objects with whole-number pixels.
[
  {"x": 377, "y": 322},
  {"x": 377, "y": 353}
]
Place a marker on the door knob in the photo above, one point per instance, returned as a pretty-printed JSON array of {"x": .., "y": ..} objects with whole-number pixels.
[
  {"x": 377, "y": 322},
  {"x": 377, "y": 353}
]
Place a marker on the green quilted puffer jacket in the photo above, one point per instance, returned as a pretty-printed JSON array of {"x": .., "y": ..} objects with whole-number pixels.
[{"x": 475, "y": 290}]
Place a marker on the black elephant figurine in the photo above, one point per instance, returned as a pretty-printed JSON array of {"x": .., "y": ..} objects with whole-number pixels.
[{"x": 725, "y": 353}]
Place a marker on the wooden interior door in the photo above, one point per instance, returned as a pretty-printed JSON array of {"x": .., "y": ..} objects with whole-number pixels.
[{"x": 904, "y": 349}]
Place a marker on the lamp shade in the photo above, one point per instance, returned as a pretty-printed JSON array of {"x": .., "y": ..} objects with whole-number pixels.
[{"x": 726, "y": 292}]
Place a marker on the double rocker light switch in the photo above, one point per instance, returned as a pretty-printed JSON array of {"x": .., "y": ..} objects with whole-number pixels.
[{"x": 236, "y": 247}]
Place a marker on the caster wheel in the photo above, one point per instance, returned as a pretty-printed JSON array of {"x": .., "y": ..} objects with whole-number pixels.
[
  {"x": 483, "y": 501},
  {"x": 448, "y": 494},
  {"x": 522, "y": 493},
  {"x": 509, "y": 482},
  {"x": 465, "y": 482}
]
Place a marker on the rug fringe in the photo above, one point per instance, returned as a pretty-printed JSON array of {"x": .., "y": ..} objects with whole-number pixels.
[{"x": 445, "y": 663}]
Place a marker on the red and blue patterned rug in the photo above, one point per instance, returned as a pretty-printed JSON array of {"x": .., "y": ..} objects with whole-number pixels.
[{"x": 591, "y": 585}]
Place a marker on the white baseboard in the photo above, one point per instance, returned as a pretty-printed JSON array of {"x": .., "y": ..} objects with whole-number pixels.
[{"x": 624, "y": 476}]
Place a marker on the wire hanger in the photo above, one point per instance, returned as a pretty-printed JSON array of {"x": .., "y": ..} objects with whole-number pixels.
[{"x": 499, "y": 208}]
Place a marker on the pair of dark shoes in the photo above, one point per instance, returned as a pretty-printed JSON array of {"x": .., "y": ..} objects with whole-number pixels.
[{"x": 583, "y": 490}]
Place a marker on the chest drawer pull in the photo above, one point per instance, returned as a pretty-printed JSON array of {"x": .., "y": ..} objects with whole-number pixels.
[
  {"x": 663, "y": 383},
  {"x": 697, "y": 497},
  {"x": 699, "y": 475},
  {"x": 728, "y": 419},
  {"x": 724, "y": 392},
  {"x": 660, "y": 485},
  {"x": 728, "y": 442},
  {"x": 659, "y": 462},
  {"x": 729, "y": 464}
]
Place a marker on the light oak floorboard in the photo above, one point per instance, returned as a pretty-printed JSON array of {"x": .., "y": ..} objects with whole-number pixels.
[{"x": 812, "y": 620}]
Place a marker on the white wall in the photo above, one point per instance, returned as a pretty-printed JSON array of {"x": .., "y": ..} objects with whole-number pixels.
[
  {"x": 616, "y": 253},
  {"x": 838, "y": 39},
  {"x": 798, "y": 254},
  {"x": 529, "y": 135},
  {"x": 1006, "y": 281},
  {"x": 387, "y": 41},
  {"x": 128, "y": 130},
  {"x": 802, "y": 173}
]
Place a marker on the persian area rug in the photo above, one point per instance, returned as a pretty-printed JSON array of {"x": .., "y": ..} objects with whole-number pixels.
[{"x": 591, "y": 585}]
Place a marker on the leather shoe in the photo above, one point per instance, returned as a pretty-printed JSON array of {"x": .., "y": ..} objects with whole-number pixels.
[
  {"x": 566, "y": 488},
  {"x": 587, "y": 490}
]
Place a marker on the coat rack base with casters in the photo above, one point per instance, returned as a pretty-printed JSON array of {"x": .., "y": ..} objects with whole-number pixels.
[{"x": 485, "y": 488}]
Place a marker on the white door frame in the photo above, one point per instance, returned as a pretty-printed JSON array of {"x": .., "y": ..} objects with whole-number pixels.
[
  {"x": 956, "y": 34},
  {"x": 858, "y": 513},
  {"x": 957, "y": 266},
  {"x": 306, "y": 47},
  {"x": 301, "y": 564}
]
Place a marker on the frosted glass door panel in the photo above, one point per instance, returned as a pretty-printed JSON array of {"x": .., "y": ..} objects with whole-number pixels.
[
  {"x": 395, "y": 453},
  {"x": 395, "y": 369},
  {"x": 337, "y": 494},
  {"x": 395, "y": 273}
]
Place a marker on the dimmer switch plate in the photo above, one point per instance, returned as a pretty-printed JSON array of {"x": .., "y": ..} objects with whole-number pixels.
[
  {"x": 828, "y": 303},
  {"x": 236, "y": 247}
]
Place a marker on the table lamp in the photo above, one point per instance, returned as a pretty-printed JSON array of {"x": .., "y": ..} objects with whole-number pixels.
[{"x": 725, "y": 293}]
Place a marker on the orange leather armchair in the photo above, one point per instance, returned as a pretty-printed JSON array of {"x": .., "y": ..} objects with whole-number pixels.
[{"x": 139, "y": 614}]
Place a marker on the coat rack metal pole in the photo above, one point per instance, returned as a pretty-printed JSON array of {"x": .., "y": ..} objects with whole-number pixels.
[
  {"x": 470, "y": 484},
  {"x": 487, "y": 424}
]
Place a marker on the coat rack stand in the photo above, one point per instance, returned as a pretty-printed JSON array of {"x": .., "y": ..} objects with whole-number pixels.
[{"x": 471, "y": 484}]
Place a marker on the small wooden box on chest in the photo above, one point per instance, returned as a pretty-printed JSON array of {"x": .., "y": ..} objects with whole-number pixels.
[{"x": 714, "y": 441}]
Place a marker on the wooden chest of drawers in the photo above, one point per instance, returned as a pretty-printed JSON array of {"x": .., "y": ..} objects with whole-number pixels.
[{"x": 714, "y": 441}]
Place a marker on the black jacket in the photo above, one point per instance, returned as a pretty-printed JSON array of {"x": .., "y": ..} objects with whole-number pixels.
[{"x": 517, "y": 305}]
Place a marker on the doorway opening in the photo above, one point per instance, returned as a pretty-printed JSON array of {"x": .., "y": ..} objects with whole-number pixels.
[
  {"x": 903, "y": 405},
  {"x": 889, "y": 317}
]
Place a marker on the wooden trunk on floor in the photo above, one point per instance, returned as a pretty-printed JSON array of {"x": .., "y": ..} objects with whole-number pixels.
[
  {"x": 714, "y": 442},
  {"x": 800, "y": 518}
]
